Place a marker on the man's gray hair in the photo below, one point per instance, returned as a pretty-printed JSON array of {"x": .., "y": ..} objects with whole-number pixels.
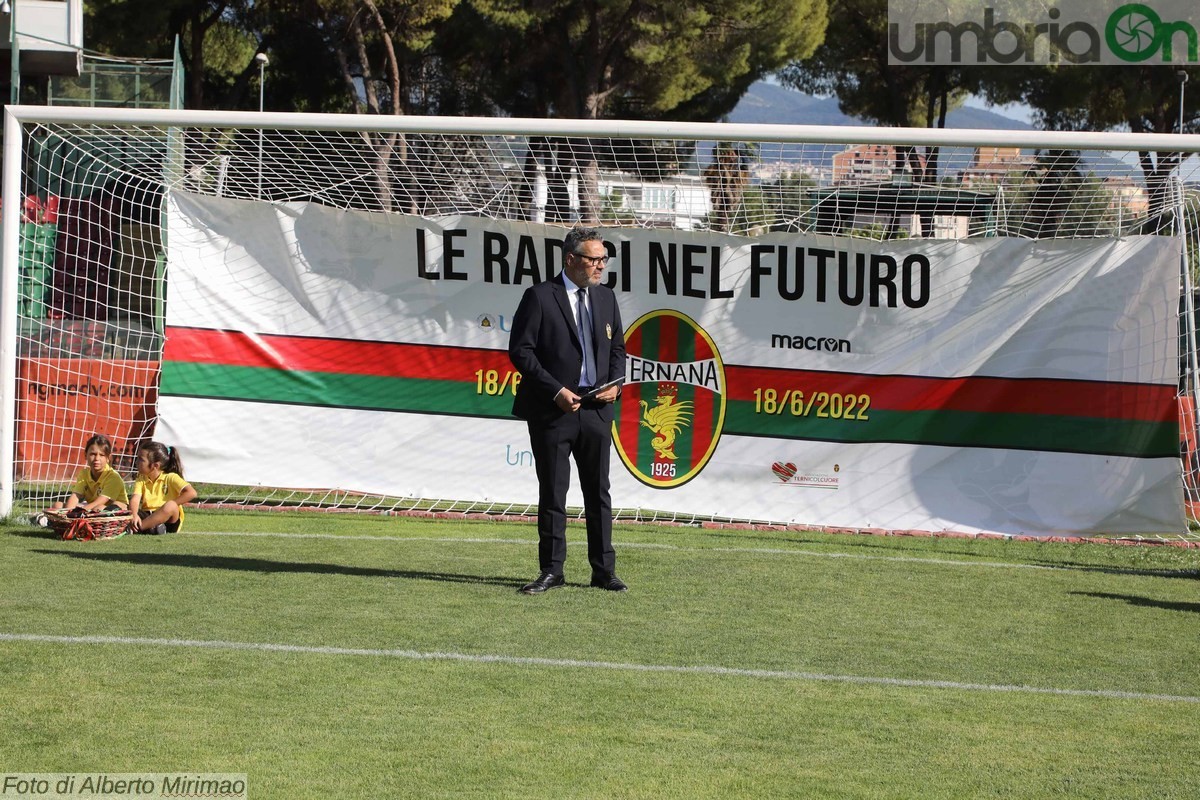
[{"x": 579, "y": 235}]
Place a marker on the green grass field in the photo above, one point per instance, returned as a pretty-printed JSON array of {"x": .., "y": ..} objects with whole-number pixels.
[{"x": 352, "y": 656}]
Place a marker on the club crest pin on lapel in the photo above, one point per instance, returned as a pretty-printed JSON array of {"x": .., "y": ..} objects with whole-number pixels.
[{"x": 608, "y": 329}]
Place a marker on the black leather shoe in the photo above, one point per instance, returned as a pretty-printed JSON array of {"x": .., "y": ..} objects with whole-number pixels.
[
  {"x": 609, "y": 583},
  {"x": 544, "y": 582}
]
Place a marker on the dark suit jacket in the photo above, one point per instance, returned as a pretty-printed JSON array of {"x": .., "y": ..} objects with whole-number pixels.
[{"x": 544, "y": 346}]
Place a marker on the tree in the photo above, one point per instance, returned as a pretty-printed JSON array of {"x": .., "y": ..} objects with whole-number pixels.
[
  {"x": 371, "y": 54},
  {"x": 852, "y": 65},
  {"x": 788, "y": 203},
  {"x": 1143, "y": 99},
  {"x": 1056, "y": 198},
  {"x": 677, "y": 59},
  {"x": 217, "y": 50},
  {"x": 727, "y": 177},
  {"x": 588, "y": 59}
]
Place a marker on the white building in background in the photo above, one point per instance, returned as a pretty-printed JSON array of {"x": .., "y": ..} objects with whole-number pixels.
[
  {"x": 947, "y": 227},
  {"x": 681, "y": 201},
  {"x": 49, "y": 37},
  {"x": 774, "y": 171}
]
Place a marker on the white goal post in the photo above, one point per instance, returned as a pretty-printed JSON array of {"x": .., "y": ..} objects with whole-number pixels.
[{"x": 869, "y": 328}]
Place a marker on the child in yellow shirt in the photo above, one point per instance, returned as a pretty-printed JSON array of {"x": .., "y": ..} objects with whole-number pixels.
[
  {"x": 98, "y": 487},
  {"x": 160, "y": 492}
]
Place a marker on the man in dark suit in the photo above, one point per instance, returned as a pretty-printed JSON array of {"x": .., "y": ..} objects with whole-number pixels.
[{"x": 567, "y": 339}]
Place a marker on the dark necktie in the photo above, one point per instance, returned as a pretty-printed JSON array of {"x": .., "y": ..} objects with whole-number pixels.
[{"x": 585, "y": 339}]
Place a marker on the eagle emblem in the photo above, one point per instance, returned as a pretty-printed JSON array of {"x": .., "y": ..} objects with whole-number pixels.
[{"x": 665, "y": 419}]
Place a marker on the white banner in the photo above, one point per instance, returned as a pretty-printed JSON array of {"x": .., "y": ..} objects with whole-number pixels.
[{"x": 984, "y": 385}]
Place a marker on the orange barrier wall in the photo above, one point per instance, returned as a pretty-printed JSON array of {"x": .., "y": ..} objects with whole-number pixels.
[{"x": 63, "y": 401}]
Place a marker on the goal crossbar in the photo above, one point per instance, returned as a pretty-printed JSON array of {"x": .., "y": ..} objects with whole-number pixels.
[{"x": 650, "y": 129}]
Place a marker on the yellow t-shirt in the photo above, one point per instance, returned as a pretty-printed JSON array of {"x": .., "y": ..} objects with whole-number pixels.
[
  {"x": 108, "y": 484},
  {"x": 157, "y": 492}
]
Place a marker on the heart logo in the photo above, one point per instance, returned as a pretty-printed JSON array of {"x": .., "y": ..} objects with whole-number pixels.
[{"x": 784, "y": 471}]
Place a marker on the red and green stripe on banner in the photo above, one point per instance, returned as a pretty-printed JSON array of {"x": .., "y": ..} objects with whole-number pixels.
[
  {"x": 1137, "y": 420},
  {"x": 1123, "y": 419},
  {"x": 337, "y": 373}
]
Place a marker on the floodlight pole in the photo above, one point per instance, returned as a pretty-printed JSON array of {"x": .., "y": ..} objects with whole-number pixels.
[
  {"x": 1183, "y": 79},
  {"x": 262, "y": 60}
]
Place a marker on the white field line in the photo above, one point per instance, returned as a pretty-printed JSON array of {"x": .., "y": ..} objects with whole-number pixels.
[
  {"x": 640, "y": 546},
  {"x": 570, "y": 663}
]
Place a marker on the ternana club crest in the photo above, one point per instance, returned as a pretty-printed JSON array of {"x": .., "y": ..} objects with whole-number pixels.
[
  {"x": 667, "y": 418},
  {"x": 673, "y": 404}
]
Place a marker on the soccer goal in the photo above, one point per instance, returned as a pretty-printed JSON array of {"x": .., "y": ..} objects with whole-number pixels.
[{"x": 865, "y": 328}]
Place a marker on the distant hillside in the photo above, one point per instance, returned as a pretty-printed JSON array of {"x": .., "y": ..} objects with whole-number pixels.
[{"x": 768, "y": 103}]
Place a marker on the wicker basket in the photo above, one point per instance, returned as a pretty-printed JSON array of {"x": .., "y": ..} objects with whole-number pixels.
[{"x": 102, "y": 525}]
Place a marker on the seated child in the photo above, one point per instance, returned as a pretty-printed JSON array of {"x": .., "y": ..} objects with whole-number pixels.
[
  {"x": 98, "y": 487},
  {"x": 160, "y": 492}
]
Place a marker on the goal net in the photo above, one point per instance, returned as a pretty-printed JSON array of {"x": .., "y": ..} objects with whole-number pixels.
[{"x": 865, "y": 328}]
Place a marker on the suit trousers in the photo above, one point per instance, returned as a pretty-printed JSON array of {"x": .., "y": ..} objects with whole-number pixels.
[{"x": 587, "y": 436}]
